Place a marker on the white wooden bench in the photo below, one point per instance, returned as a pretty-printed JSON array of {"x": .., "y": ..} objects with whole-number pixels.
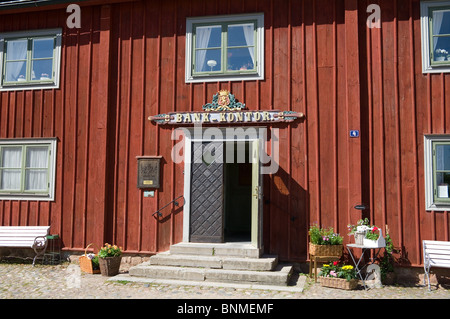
[
  {"x": 435, "y": 254},
  {"x": 34, "y": 237}
]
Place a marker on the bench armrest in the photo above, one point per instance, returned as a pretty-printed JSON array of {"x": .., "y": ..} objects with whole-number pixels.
[{"x": 40, "y": 246}]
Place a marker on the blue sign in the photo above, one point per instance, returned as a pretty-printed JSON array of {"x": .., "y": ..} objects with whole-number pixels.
[{"x": 354, "y": 133}]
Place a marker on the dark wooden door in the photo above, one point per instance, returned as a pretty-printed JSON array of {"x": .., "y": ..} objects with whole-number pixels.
[{"x": 207, "y": 185}]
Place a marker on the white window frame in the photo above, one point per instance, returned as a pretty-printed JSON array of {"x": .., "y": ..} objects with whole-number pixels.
[
  {"x": 427, "y": 67},
  {"x": 430, "y": 203},
  {"x": 56, "y": 63},
  {"x": 257, "y": 75},
  {"x": 50, "y": 196}
]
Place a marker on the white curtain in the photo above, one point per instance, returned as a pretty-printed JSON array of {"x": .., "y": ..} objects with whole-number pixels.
[
  {"x": 249, "y": 35},
  {"x": 16, "y": 50},
  {"x": 438, "y": 17},
  {"x": 11, "y": 158},
  {"x": 202, "y": 39},
  {"x": 36, "y": 172}
]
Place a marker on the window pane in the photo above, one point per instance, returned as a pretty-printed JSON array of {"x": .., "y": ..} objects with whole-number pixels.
[
  {"x": 42, "y": 70},
  {"x": 43, "y": 48},
  {"x": 36, "y": 179},
  {"x": 37, "y": 157},
  {"x": 16, "y": 71},
  {"x": 208, "y": 60},
  {"x": 442, "y": 182},
  {"x": 441, "y": 47},
  {"x": 241, "y": 59},
  {"x": 10, "y": 179},
  {"x": 16, "y": 50},
  {"x": 241, "y": 35},
  {"x": 441, "y": 22},
  {"x": 12, "y": 157},
  {"x": 208, "y": 37},
  {"x": 443, "y": 157}
]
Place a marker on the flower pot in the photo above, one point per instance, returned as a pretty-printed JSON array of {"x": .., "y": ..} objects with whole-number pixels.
[
  {"x": 338, "y": 283},
  {"x": 389, "y": 278},
  {"x": 325, "y": 250},
  {"x": 440, "y": 58},
  {"x": 359, "y": 238},
  {"x": 109, "y": 266}
]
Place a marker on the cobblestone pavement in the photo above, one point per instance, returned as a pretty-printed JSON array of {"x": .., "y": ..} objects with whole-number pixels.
[{"x": 66, "y": 281}]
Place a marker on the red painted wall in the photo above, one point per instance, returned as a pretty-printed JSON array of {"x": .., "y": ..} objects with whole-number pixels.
[{"x": 127, "y": 62}]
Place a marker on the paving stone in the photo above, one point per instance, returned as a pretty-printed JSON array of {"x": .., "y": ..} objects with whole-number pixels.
[{"x": 66, "y": 281}]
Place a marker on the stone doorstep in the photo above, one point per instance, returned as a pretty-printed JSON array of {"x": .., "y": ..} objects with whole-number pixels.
[
  {"x": 208, "y": 249},
  {"x": 265, "y": 263},
  {"x": 279, "y": 276}
]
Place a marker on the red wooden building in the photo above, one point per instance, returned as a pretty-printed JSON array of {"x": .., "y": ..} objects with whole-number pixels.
[{"x": 375, "y": 130}]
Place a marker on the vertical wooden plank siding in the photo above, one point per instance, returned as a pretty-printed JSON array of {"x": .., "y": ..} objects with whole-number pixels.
[{"x": 127, "y": 62}]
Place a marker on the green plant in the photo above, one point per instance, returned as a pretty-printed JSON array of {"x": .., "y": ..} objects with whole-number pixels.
[
  {"x": 387, "y": 262},
  {"x": 94, "y": 260},
  {"x": 347, "y": 272},
  {"x": 324, "y": 236},
  {"x": 373, "y": 234},
  {"x": 109, "y": 251},
  {"x": 352, "y": 228}
]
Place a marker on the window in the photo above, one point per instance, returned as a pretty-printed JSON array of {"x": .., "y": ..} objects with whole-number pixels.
[
  {"x": 435, "y": 24},
  {"x": 30, "y": 60},
  {"x": 27, "y": 169},
  {"x": 225, "y": 48},
  {"x": 437, "y": 172}
]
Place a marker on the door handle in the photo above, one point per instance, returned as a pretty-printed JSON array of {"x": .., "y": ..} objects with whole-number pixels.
[{"x": 256, "y": 192}]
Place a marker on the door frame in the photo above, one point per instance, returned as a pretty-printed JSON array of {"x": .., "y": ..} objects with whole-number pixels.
[{"x": 240, "y": 134}]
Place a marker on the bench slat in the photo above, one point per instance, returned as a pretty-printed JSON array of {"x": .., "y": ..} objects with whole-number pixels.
[
  {"x": 438, "y": 252},
  {"x": 443, "y": 244},
  {"x": 21, "y": 236}
]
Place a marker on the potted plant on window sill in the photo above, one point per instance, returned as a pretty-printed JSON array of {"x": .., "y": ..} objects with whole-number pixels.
[
  {"x": 324, "y": 242},
  {"x": 109, "y": 259},
  {"x": 441, "y": 55}
]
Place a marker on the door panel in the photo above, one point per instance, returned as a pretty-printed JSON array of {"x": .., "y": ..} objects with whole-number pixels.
[{"x": 207, "y": 183}]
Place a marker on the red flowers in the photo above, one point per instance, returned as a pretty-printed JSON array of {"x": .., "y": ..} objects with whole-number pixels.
[
  {"x": 374, "y": 229},
  {"x": 335, "y": 263}
]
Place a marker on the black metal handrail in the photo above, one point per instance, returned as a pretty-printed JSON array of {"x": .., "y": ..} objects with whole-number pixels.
[{"x": 175, "y": 201}]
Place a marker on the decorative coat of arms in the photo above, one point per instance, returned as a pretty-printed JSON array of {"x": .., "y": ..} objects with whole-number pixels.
[{"x": 224, "y": 101}]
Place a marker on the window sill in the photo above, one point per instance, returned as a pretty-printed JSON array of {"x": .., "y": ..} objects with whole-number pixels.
[
  {"x": 25, "y": 197},
  {"x": 224, "y": 78},
  {"x": 438, "y": 207},
  {"x": 34, "y": 86}
]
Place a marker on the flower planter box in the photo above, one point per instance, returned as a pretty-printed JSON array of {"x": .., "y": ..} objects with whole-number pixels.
[
  {"x": 325, "y": 250},
  {"x": 380, "y": 242},
  {"x": 338, "y": 283}
]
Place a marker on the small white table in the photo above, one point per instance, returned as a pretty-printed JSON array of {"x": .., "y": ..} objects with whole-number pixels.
[{"x": 359, "y": 267}]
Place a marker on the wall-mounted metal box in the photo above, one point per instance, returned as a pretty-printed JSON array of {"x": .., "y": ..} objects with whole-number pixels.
[{"x": 149, "y": 168}]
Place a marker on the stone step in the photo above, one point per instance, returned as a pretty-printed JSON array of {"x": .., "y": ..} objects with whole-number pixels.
[
  {"x": 279, "y": 276},
  {"x": 265, "y": 263},
  {"x": 220, "y": 249}
]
